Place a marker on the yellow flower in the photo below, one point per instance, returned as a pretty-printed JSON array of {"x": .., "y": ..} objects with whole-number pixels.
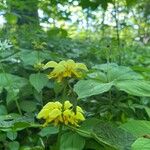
[
  {"x": 71, "y": 117},
  {"x": 51, "y": 111},
  {"x": 65, "y": 69},
  {"x": 57, "y": 113},
  {"x": 67, "y": 105}
]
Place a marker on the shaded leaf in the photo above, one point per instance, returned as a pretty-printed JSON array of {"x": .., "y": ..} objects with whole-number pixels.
[
  {"x": 12, "y": 135},
  {"x": 13, "y": 145},
  {"x": 48, "y": 131},
  {"x": 71, "y": 141},
  {"x": 14, "y": 81},
  {"x": 117, "y": 138},
  {"x": 38, "y": 81},
  {"x": 28, "y": 106}
]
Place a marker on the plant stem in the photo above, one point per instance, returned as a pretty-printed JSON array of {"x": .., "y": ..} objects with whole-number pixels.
[
  {"x": 59, "y": 137},
  {"x": 18, "y": 107}
]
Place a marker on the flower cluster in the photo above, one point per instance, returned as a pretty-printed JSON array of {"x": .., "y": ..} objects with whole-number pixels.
[
  {"x": 38, "y": 66},
  {"x": 55, "y": 112},
  {"x": 65, "y": 69}
]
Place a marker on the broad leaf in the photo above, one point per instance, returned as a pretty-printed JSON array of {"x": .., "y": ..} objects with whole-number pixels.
[
  {"x": 3, "y": 110},
  {"x": 71, "y": 141},
  {"x": 134, "y": 87},
  {"x": 108, "y": 136},
  {"x": 115, "y": 137},
  {"x": 13, "y": 145},
  {"x": 141, "y": 144},
  {"x": 12, "y": 95},
  {"x": 137, "y": 127},
  {"x": 38, "y": 81},
  {"x": 12, "y": 135},
  {"x": 107, "y": 75},
  {"x": 8, "y": 80},
  {"x": 48, "y": 131},
  {"x": 28, "y": 106},
  {"x": 86, "y": 88}
]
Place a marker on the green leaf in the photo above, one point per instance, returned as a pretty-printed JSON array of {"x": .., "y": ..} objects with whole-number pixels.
[
  {"x": 14, "y": 81},
  {"x": 134, "y": 87},
  {"x": 12, "y": 95},
  {"x": 58, "y": 87},
  {"x": 3, "y": 110},
  {"x": 28, "y": 106},
  {"x": 2, "y": 136},
  {"x": 137, "y": 127},
  {"x": 9, "y": 116},
  {"x": 141, "y": 144},
  {"x": 20, "y": 126},
  {"x": 107, "y": 75},
  {"x": 113, "y": 136},
  {"x": 131, "y": 2},
  {"x": 29, "y": 57},
  {"x": 13, "y": 145},
  {"x": 92, "y": 144},
  {"x": 88, "y": 124},
  {"x": 48, "y": 131},
  {"x": 38, "y": 81},
  {"x": 147, "y": 109},
  {"x": 86, "y": 88},
  {"x": 106, "y": 135},
  {"x": 12, "y": 135},
  {"x": 11, "y": 18},
  {"x": 72, "y": 141}
]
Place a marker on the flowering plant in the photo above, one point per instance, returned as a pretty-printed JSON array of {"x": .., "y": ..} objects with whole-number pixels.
[
  {"x": 65, "y": 69},
  {"x": 61, "y": 113}
]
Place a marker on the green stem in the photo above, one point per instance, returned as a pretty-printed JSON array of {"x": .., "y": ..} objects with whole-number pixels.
[
  {"x": 73, "y": 97},
  {"x": 59, "y": 137},
  {"x": 64, "y": 94},
  {"x": 18, "y": 107}
]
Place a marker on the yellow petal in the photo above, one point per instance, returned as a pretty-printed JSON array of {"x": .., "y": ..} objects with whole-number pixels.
[
  {"x": 80, "y": 116},
  {"x": 44, "y": 113},
  {"x": 79, "y": 109},
  {"x": 67, "y": 113},
  {"x": 70, "y": 63},
  {"x": 58, "y": 105},
  {"x": 62, "y": 63},
  {"x": 49, "y": 105},
  {"x": 54, "y": 114},
  {"x": 52, "y": 105},
  {"x": 77, "y": 73},
  {"x": 56, "y": 122},
  {"x": 81, "y": 66},
  {"x": 67, "y": 105},
  {"x": 50, "y": 64},
  {"x": 58, "y": 70}
]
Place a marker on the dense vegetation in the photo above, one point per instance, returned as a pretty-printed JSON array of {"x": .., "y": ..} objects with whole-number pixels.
[{"x": 89, "y": 61}]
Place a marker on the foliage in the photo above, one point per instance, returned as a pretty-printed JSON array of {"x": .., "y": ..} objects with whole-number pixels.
[{"x": 94, "y": 54}]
